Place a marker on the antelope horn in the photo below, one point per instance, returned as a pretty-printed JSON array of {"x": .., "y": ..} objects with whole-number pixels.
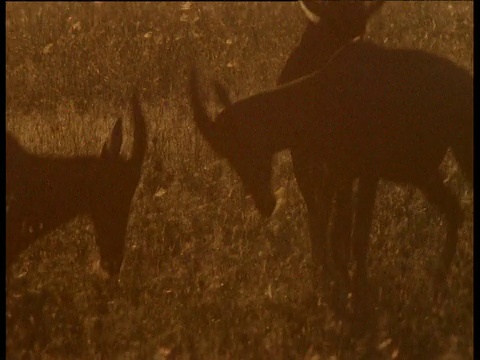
[
  {"x": 332, "y": 13},
  {"x": 314, "y": 18}
]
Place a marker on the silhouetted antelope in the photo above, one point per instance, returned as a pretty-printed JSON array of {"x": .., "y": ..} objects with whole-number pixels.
[
  {"x": 331, "y": 26},
  {"x": 371, "y": 113},
  {"x": 44, "y": 192}
]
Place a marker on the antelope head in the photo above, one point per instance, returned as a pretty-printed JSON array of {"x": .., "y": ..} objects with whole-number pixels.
[
  {"x": 116, "y": 184},
  {"x": 237, "y": 143},
  {"x": 346, "y": 19}
]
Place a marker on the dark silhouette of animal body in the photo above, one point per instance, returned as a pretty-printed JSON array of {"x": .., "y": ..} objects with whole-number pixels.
[
  {"x": 44, "y": 192},
  {"x": 371, "y": 113},
  {"x": 331, "y": 26}
]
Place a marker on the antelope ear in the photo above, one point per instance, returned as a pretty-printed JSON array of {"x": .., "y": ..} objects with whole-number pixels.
[
  {"x": 222, "y": 94},
  {"x": 111, "y": 148},
  {"x": 211, "y": 131}
]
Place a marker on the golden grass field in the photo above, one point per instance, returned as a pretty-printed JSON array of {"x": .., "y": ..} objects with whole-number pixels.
[{"x": 204, "y": 276}]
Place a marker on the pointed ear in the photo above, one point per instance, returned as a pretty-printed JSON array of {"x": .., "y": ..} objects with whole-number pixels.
[
  {"x": 222, "y": 94},
  {"x": 111, "y": 148}
]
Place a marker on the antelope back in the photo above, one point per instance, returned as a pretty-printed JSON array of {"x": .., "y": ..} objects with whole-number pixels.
[{"x": 360, "y": 114}]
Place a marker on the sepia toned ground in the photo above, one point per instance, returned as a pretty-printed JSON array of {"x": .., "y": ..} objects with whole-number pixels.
[{"x": 204, "y": 276}]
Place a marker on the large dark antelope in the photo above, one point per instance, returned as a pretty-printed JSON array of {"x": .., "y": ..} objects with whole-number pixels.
[
  {"x": 331, "y": 26},
  {"x": 44, "y": 192},
  {"x": 371, "y": 113}
]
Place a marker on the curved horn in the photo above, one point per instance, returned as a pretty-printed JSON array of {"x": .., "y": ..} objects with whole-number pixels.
[
  {"x": 340, "y": 14},
  {"x": 331, "y": 12},
  {"x": 139, "y": 132},
  {"x": 207, "y": 128},
  {"x": 314, "y": 18}
]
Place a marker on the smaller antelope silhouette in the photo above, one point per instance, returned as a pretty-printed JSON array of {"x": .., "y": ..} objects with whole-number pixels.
[
  {"x": 331, "y": 26},
  {"x": 44, "y": 192},
  {"x": 371, "y": 113}
]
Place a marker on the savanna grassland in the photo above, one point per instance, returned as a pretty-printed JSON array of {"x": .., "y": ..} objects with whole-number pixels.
[{"x": 204, "y": 276}]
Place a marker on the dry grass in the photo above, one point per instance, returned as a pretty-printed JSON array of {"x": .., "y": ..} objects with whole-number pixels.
[{"x": 204, "y": 277}]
